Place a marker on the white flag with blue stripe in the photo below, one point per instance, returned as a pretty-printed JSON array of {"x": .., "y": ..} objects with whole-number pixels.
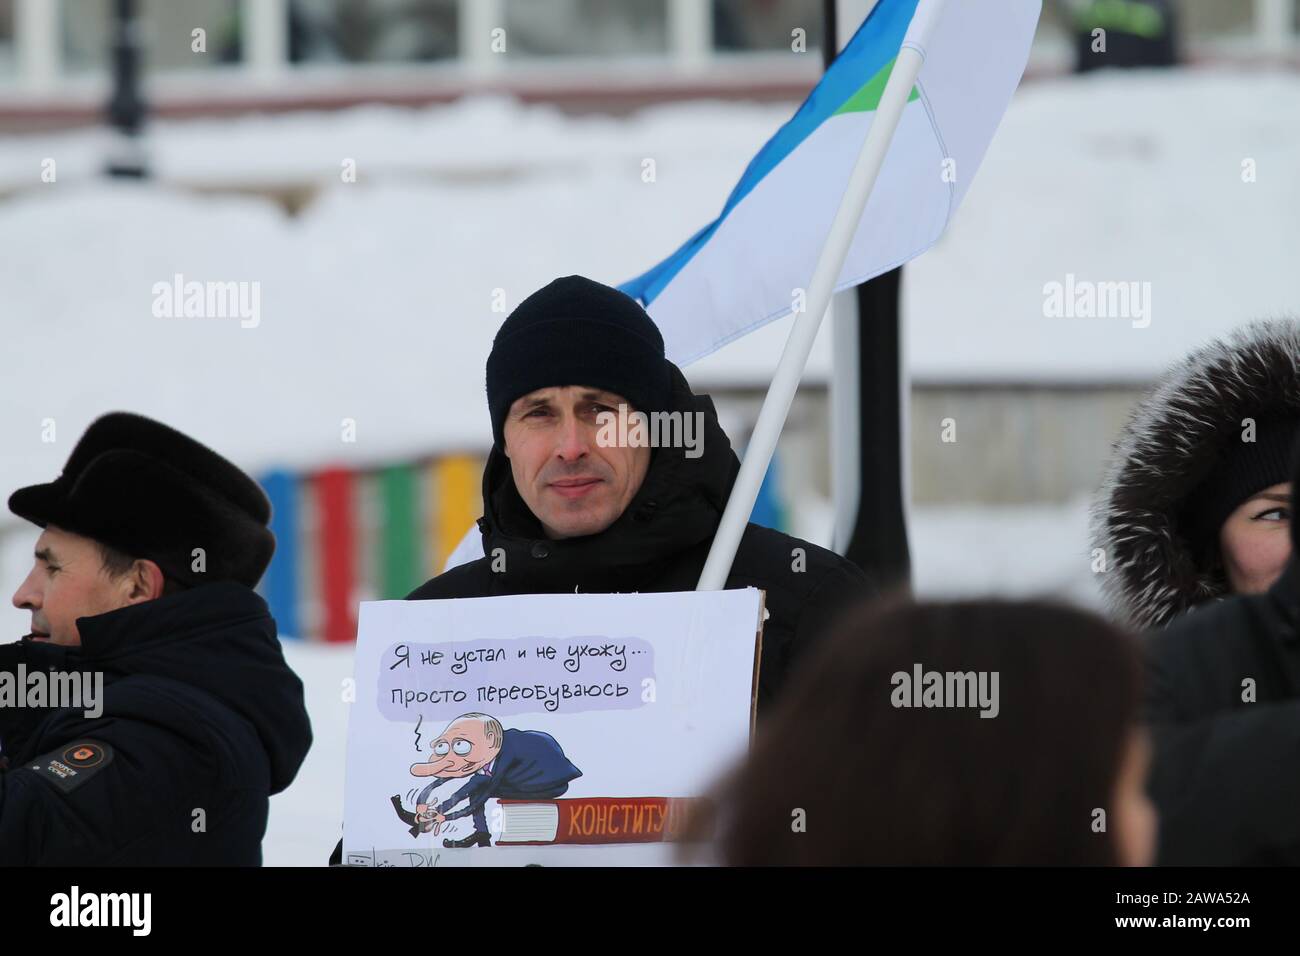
[{"x": 747, "y": 267}]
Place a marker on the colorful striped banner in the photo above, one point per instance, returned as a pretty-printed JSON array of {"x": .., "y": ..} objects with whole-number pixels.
[
  {"x": 400, "y": 570},
  {"x": 280, "y": 583},
  {"x": 336, "y": 526},
  {"x": 457, "y": 503}
]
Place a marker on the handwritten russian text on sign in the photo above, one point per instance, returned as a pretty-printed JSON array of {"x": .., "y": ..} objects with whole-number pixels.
[{"x": 558, "y": 729}]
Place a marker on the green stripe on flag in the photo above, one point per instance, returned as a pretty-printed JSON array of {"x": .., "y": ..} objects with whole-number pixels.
[
  {"x": 867, "y": 98},
  {"x": 399, "y": 554}
]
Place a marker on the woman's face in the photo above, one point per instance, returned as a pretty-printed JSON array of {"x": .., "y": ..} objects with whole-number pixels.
[
  {"x": 1255, "y": 541},
  {"x": 1135, "y": 817}
]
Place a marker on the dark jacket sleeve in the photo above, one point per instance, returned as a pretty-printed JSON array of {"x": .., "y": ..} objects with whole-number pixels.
[
  {"x": 17, "y": 724},
  {"x": 144, "y": 793},
  {"x": 1228, "y": 787}
]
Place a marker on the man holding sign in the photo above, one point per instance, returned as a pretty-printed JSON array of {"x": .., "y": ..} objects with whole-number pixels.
[{"x": 608, "y": 474}]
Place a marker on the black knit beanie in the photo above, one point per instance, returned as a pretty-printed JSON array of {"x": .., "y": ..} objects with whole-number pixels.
[
  {"x": 577, "y": 332},
  {"x": 1241, "y": 469}
]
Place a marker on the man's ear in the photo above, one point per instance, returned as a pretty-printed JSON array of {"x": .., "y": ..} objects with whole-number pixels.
[{"x": 144, "y": 582}]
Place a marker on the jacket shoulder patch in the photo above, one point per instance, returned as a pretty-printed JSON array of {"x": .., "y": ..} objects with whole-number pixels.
[{"x": 72, "y": 764}]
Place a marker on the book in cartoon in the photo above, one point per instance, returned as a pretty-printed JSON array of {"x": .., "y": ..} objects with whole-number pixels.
[{"x": 496, "y": 763}]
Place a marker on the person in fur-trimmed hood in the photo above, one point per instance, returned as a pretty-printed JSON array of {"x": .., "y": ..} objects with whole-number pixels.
[
  {"x": 1223, "y": 704},
  {"x": 1195, "y": 504}
]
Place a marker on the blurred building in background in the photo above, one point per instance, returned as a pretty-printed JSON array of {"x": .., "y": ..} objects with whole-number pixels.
[{"x": 581, "y": 54}]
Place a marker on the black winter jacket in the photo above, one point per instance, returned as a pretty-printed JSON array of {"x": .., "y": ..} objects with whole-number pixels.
[
  {"x": 1226, "y": 772},
  {"x": 200, "y": 713}
]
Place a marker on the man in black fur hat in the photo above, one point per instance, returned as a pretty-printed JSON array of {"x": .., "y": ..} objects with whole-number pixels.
[{"x": 187, "y": 717}]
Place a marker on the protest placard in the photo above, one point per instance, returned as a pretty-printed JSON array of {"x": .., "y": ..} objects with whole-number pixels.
[{"x": 560, "y": 729}]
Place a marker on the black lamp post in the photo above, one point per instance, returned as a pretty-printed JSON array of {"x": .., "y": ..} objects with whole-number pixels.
[
  {"x": 877, "y": 542},
  {"x": 126, "y": 106}
]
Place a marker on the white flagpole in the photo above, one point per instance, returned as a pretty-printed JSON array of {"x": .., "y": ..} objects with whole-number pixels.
[{"x": 776, "y": 406}]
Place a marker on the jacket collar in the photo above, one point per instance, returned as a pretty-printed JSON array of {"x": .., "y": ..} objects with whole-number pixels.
[
  {"x": 1285, "y": 593},
  {"x": 189, "y": 613}
]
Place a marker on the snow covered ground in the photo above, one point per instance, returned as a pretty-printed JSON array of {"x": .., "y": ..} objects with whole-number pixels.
[{"x": 306, "y": 819}]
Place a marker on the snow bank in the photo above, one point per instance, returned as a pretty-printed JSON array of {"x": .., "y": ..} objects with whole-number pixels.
[
  {"x": 1115, "y": 178},
  {"x": 377, "y": 303}
]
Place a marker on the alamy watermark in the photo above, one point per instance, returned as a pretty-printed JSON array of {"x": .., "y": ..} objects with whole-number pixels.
[
  {"x": 634, "y": 429},
  {"x": 130, "y": 910},
  {"x": 1084, "y": 299},
  {"x": 922, "y": 688},
  {"x": 179, "y": 299},
  {"x": 81, "y": 690}
]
